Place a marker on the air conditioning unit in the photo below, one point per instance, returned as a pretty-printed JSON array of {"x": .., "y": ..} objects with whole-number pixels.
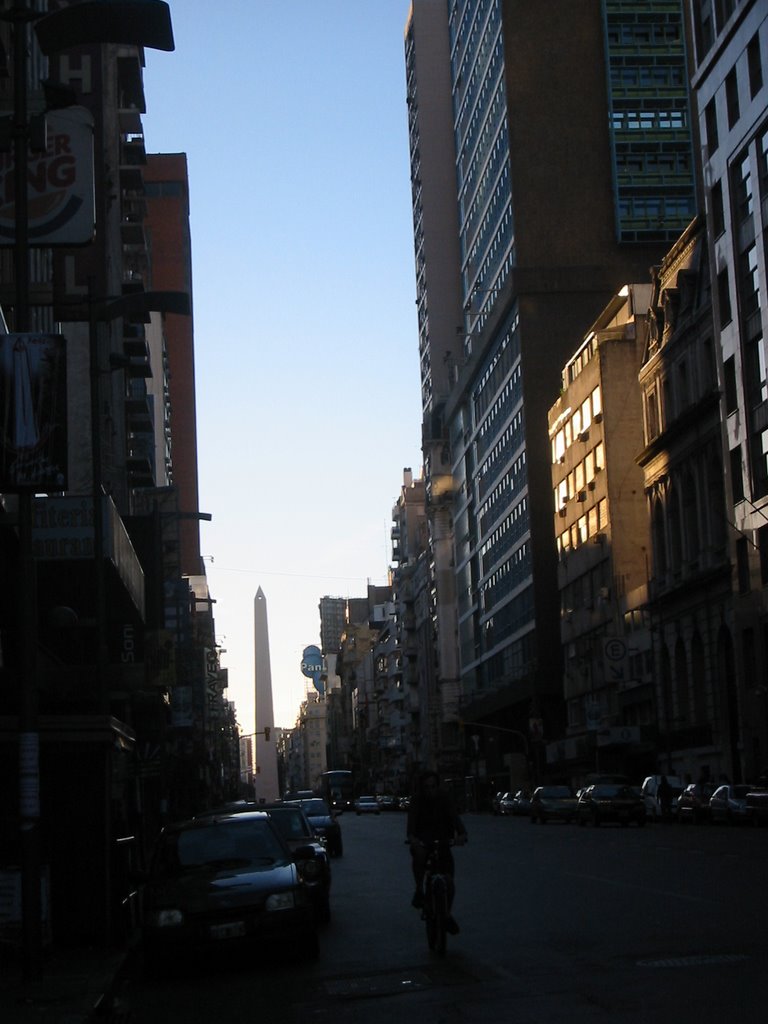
[
  {"x": 584, "y": 435},
  {"x": 591, "y": 485},
  {"x": 598, "y": 417},
  {"x": 562, "y": 512},
  {"x": 581, "y": 496}
]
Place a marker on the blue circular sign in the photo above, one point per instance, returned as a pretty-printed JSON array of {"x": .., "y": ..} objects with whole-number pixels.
[{"x": 312, "y": 666}]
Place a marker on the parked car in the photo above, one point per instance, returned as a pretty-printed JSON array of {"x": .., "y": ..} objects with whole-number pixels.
[
  {"x": 495, "y": 801},
  {"x": 757, "y": 803},
  {"x": 387, "y": 802},
  {"x": 367, "y": 805},
  {"x": 609, "y": 801},
  {"x": 505, "y": 803},
  {"x": 650, "y": 790},
  {"x": 325, "y": 824},
  {"x": 693, "y": 802},
  {"x": 552, "y": 802},
  {"x": 729, "y": 804},
  {"x": 295, "y": 828},
  {"x": 223, "y": 880},
  {"x": 521, "y": 802}
]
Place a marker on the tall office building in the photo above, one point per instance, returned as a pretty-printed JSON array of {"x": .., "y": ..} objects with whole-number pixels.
[
  {"x": 333, "y": 618},
  {"x": 573, "y": 171},
  {"x": 166, "y": 185},
  {"x": 266, "y": 779},
  {"x": 731, "y": 95}
]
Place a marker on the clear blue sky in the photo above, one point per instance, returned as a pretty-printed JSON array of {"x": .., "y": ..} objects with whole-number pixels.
[{"x": 292, "y": 115}]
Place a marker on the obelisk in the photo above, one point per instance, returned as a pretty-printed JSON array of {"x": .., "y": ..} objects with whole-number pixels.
[{"x": 265, "y": 757}]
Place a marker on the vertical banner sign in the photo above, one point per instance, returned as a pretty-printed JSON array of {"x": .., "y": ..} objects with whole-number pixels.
[
  {"x": 213, "y": 685},
  {"x": 33, "y": 412}
]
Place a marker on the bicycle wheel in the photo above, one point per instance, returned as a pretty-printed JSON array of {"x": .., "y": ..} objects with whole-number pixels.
[
  {"x": 428, "y": 914},
  {"x": 440, "y": 915}
]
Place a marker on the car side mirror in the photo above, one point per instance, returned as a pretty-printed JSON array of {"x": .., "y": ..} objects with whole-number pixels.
[{"x": 305, "y": 853}]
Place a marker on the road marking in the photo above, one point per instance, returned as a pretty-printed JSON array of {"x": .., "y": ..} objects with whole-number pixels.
[{"x": 695, "y": 961}]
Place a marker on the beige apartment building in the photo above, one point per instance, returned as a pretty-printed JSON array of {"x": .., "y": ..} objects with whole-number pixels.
[{"x": 601, "y": 530}]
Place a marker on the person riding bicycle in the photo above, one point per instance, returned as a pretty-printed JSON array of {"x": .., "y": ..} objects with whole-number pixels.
[{"x": 431, "y": 817}]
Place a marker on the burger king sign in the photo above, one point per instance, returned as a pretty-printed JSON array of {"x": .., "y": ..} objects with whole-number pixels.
[{"x": 59, "y": 184}]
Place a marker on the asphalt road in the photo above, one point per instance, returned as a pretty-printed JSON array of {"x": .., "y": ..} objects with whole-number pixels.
[{"x": 661, "y": 924}]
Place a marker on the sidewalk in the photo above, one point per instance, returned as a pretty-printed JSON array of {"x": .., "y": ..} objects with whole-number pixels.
[{"x": 77, "y": 985}]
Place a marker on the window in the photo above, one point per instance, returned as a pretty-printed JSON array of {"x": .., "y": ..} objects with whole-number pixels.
[
  {"x": 652, "y": 415},
  {"x": 724, "y": 296},
  {"x": 592, "y": 521},
  {"x": 755, "y": 64},
  {"x": 717, "y": 208},
  {"x": 737, "y": 475},
  {"x": 602, "y": 514},
  {"x": 755, "y": 371},
  {"x": 742, "y": 189},
  {"x": 682, "y": 379},
  {"x": 762, "y": 546},
  {"x": 742, "y": 565},
  {"x": 732, "y": 97},
  {"x": 710, "y": 126},
  {"x": 597, "y": 402},
  {"x": 731, "y": 398},
  {"x": 586, "y": 414},
  {"x": 749, "y": 284},
  {"x": 582, "y": 524}
]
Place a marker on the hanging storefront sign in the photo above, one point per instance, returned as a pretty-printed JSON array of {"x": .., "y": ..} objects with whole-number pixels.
[
  {"x": 60, "y": 189},
  {"x": 33, "y": 412}
]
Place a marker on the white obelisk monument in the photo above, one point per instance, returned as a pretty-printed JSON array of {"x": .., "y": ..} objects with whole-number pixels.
[{"x": 265, "y": 757}]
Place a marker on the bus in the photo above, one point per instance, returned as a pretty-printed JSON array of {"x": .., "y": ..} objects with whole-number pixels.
[{"x": 337, "y": 789}]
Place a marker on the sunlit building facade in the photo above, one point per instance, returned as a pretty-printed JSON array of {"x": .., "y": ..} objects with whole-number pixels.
[{"x": 555, "y": 213}]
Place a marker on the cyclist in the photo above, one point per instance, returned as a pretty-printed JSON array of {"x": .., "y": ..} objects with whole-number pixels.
[{"x": 432, "y": 816}]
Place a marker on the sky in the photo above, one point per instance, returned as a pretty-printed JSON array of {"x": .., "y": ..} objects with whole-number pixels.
[{"x": 293, "y": 118}]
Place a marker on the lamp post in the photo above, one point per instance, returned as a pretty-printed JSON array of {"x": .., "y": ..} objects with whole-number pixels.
[{"x": 139, "y": 22}]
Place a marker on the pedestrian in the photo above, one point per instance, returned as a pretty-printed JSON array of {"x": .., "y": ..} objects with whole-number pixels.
[{"x": 665, "y": 798}]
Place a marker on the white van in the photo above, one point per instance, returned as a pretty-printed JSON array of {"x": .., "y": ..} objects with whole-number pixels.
[{"x": 650, "y": 789}]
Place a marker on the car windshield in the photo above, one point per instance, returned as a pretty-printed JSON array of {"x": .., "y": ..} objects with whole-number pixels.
[
  {"x": 220, "y": 845},
  {"x": 555, "y": 791},
  {"x": 611, "y": 791},
  {"x": 290, "y": 822},
  {"x": 316, "y": 808}
]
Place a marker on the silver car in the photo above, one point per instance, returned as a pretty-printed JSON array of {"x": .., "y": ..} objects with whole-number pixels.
[{"x": 729, "y": 804}]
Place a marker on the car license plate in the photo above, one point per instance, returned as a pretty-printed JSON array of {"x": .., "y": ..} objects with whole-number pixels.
[{"x": 230, "y": 930}]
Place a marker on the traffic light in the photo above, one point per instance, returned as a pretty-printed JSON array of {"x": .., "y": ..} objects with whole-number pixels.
[{"x": 266, "y": 732}]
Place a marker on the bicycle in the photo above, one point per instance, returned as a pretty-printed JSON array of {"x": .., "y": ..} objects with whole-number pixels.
[{"x": 438, "y": 895}]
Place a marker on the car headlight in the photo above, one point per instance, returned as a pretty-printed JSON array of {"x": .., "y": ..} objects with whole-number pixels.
[
  {"x": 310, "y": 870},
  {"x": 171, "y": 918},
  {"x": 280, "y": 901}
]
